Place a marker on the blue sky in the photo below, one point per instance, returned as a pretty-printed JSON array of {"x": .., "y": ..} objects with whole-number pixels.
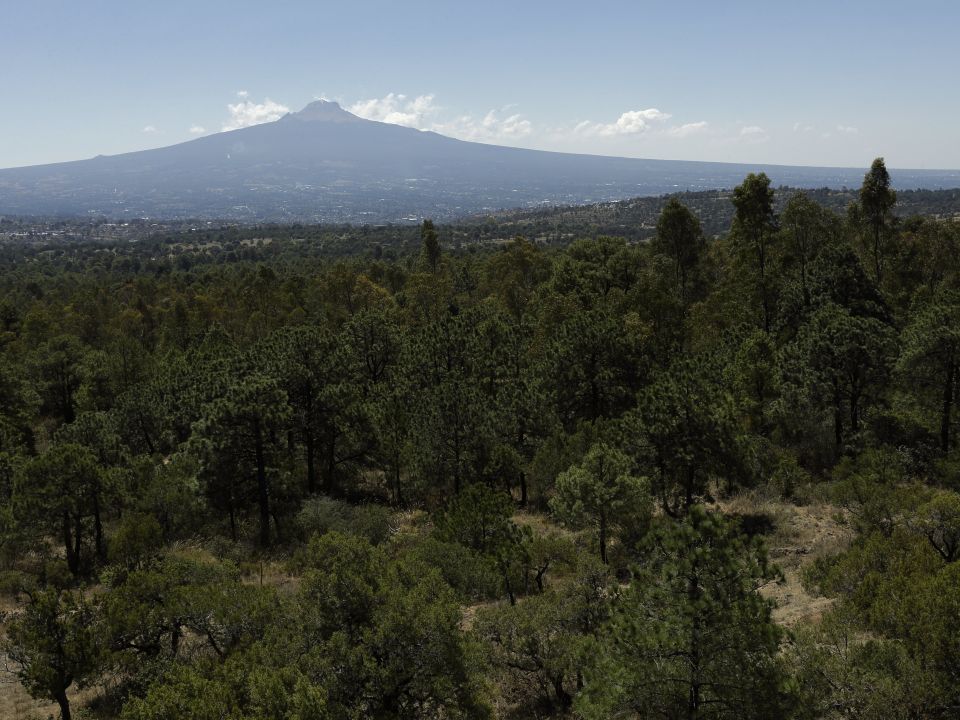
[{"x": 821, "y": 83}]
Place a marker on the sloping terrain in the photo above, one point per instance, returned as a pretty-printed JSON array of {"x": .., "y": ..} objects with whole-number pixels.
[{"x": 325, "y": 164}]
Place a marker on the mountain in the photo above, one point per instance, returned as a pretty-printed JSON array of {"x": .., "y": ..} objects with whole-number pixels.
[{"x": 325, "y": 164}]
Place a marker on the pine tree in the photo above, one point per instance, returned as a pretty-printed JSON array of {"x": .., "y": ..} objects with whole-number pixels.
[
  {"x": 692, "y": 637},
  {"x": 877, "y": 199}
]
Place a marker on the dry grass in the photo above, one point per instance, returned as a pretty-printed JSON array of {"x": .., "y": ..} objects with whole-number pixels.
[
  {"x": 795, "y": 537},
  {"x": 540, "y": 523},
  {"x": 798, "y": 535},
  {"x": 16, "y": 703},
  {"x": 470, "y": 613}
]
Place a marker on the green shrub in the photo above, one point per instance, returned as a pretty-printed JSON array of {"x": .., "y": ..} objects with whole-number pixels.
[
  {"x": 472, "y": 575},
  {"x": 138, "y": 537},
  {"x": 321, "y": 515}
]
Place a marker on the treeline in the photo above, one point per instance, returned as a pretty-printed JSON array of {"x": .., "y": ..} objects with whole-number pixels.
[
  {"x": 636, "y": 219},
  {"x": 440, "y": 484}
]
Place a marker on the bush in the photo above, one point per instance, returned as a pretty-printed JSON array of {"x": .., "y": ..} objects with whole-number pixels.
[
  {"x": 13, "y": 582},
  {"x": 790, "y": 481},
  {"x": 472, "y": 575},
  {"x": 321, "y": 515},
  {"x": 56, "y": 574},
  {"x": 138, "y": 537}
]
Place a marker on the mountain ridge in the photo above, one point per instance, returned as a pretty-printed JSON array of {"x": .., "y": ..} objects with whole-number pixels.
[{"x": 325, "y": 164}]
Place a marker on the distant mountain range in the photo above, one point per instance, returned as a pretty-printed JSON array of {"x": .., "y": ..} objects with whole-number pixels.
[{"x": 324, "y": 164}]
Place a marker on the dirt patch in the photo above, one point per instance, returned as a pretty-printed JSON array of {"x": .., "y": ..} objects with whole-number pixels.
[
  {"x": 469, "y": 616},
  {"x": 795, "y": 536}
]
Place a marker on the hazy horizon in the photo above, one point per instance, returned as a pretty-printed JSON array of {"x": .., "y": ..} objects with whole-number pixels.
[
  {"x": 822, "y": 85},
  {"x": 354, "y": 110}
]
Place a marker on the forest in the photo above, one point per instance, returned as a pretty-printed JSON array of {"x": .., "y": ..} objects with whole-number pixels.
[{"x": 697, "y": 476}]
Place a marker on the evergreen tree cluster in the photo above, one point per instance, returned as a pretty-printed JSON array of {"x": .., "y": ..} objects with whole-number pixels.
[{"x": 447, "y": 483}]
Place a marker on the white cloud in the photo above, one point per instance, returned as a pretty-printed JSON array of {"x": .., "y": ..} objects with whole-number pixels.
[
  {"x": 799, "y": 127},
  {"x": 397, "y": 109},
  {"x": 197, "y": 130},
  {"x": 505, "y": 124},
  {"x": 847, "y": 130},
  {"x": 753, "y": 134},
  {"x": 246, "y": 112},
  {"x": 150, "y": 130},
  {"x": 687, "y": 129},
  {"x": 631, "y": 122},
  {"x": 488, "y": 128},
  {"x": 422, "y": 112}
]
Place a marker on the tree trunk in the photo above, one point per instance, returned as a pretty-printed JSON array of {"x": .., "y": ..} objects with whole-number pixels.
[
  {"x": 77, "y": 529},
  {"x": 61, "y": 697},
  {"x": 765, "y": 301},
  {"x": 506, "y": 581},
  {"x": 72, "y": 560},
  {"x": 563, "y": 697},
  {"x": 837, "y": 420},
  {"x": 146, "y": 435},
  {"x": 594, "y": 396},
  {"x": 331, "y": 466},
  {"x": 603, "y": 538},
  {"x": 877, "y": 256},
  {"x": 311, "y": 464},
  {"x": 66, "y": 397},
  {"x": 947, "y": 407},
  {"x": 693, "y": 595},
  {"x": 854, "y": 414},
  {"x": 523, "y": 489},
  {"x": 98, "y": 529},
  {"x": 263, "y": 490},
  {"x": 766, "y": 309},
  {"x": 398, "y": 495},
  {"x": 539, "y": 577},
  {"x": 456, "y": 462}
]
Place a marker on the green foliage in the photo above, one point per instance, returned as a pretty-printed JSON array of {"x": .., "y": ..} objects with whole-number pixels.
[
  {"x": 691, "y": 637},
  {"x": 601, "y": 492},
  {"x": 807, "y": 227},
  {"x": 541, "y": 646},
  {"x": 754, "y": 237},
  {"x": 680, "y": 237},
  {"x": 938, "y": 520},
  {"x": 431, "y": 245},
  {"x": 479, "y": 519},
  {"x": 62, "y": 493},
  {"x": 237, "y": 441},
  {"x": 391, "y": 627},
  {"x": 876, "y": 202},
  {"x": 683, "y": 434},
  {"x": 894, "y": 629},
  {"x": 322, "y": 515},
  {"x": 839, "y": 363},
  {"x": 135, "y": 541},
  {"x": 475, "y": 577},
  {"x": 53, "y": 644},
  {"x": 929, "y": 360},
  {"x": 266, "y": 393},
  {"x": 842, "y": 672}
]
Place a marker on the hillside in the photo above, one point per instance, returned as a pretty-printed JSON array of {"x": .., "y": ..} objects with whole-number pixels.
[
  {"x": 636, "y": 218},
  {"x": 323, "y": 164},
  {"x": 270, "y": 477}
]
